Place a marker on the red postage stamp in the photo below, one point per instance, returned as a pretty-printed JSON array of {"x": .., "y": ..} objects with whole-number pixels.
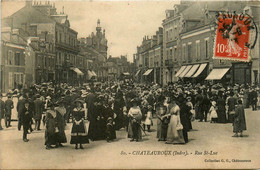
[{"x": 232, "y": 37}]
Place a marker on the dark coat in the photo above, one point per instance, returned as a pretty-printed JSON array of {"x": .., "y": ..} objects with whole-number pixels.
[
  {"x": 239, "y": 119},
  {"x": 26, "y": 116},
  {"x": 38, "y": 109},
  {"x": 232, "y": 101},
  {"x": 9, "y": 105},
  {"x": 61, "y": 127},
  {"x": 20, "y": 106},
  {"x": 185, "y": 116},
  {"x": 2, "y": 109}
]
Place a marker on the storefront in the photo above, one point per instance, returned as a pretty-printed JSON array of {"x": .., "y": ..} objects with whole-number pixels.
[
  {"x": 242, "y": 73},
  {"x": 148, "y": 76}
]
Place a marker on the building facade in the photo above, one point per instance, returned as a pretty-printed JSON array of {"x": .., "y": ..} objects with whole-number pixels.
[
  {"x": 189, "y": 32},
  {"x": 148, "y": 59}
]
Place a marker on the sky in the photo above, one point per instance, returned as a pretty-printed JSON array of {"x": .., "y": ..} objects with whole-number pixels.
[{"x": 125, "y": 22}]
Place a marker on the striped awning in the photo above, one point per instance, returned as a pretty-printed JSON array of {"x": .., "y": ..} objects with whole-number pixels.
[
  {"x": 200, "y": 70},
  {"x": 137, "y": 72},
  {"x": 76, "y": 70},
  {"x": 180, "y": 71},
  {"x": 192, "y": 70},
  {"x": 148, "y": 72},
  {"x": 187, "y": 69}
]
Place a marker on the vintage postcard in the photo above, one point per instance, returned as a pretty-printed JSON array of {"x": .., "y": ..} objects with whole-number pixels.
[{"x": 129, "y": 84}]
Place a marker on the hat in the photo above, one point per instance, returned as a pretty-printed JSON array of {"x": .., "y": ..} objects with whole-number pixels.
[
  {"x": 134, "y": 101},
  {"x": 48, "y": 97},
  {"x": 79, "y": 101}
]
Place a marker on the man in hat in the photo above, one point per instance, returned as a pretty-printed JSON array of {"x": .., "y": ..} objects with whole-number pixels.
[
  {"x": 2, "y": 110},
  {"x": 26, "y": 119},
  {"x": 254, "y": 99},
  {"x": 9, "y": 105},
  {"x": 39, "y": 107},
  {"x": 20, "y": 107}
]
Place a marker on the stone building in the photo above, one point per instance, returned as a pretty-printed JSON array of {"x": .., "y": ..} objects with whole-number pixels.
[
  {"x": 189, "y": 32},
  {"x": 12, "y": 59},
  {"x": 96, "y": 45},
  {"x": 148, "y": 59},
  {"x": 55, "y": 43},
  {"x": 118, "y": 68}
]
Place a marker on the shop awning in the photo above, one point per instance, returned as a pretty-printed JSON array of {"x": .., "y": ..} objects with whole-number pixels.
[
  {"x": 180, "y": 71},
  {"x": 185, "y": 71},
  {"x": 192, "y": 70},
  {"x": 90, "y": 74},
  {"x": 77, "y": 71},
  {"x": 126, "y": 74},
  {"x": 202, "y": 67},
  {"x": 136, "y": 74},
  {"x": 148, "y": 72},
  {"x": 94, "y": 74},
  {"x": 217, "y": 74}
]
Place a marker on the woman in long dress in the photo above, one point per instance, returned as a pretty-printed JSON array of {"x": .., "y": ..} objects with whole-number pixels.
[
  {"x": 79, "y": 133},
  {"x": 61, "y": 112},
  {"x": 221, "y": 109},
  {"x": 174, "y": 132},
  {"x": 135, "y": 115},
  {"x": 239, "y": 124},
  {"x": 162, "y": 124},
  {"x": 51, "y": 127}
]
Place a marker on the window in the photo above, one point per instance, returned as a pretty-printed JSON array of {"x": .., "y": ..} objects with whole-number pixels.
[
  {"x": 17, "y": 58},
  {"x": 60, "y": 38},
  {"x": 45, "y": 61},
  {"x": 175, "y": 53},
  {"x": 189, "y": 52},
  {"x": 183, "y": 52},
  {"x": 167, "y": 36},
  {"x": 11, "y": 80},
  {"x": 197, "y": 50},
  {"x": 56, "y": 36},
  {"x": 10, "y": 58},
  {"x": 18, "y": 78},
  {"x": 171, "y": 34},
  {"x": 33, "y": 30},
  {"x": 207, "y": 48},
  {"x": 171, "y": 54}
]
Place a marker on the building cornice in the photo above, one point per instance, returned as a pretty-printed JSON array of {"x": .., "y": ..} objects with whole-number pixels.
[{"x": 197, "y": 31}]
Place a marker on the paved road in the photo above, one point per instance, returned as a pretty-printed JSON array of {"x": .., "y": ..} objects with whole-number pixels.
[{"x": 122, "y": 154}]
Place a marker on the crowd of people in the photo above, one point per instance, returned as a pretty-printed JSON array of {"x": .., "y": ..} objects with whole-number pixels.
[{"x": 110, "y": 106}]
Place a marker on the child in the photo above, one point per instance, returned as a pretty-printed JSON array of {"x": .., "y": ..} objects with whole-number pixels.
[
  {"x": 110, "y": 130},
  {"x": 213, "y": 113},
  {"x": 148, "y": 120}
]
